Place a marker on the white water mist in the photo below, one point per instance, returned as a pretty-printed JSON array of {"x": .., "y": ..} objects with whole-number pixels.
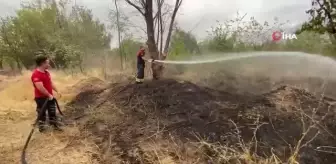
[{"x": 243, "y": 55}]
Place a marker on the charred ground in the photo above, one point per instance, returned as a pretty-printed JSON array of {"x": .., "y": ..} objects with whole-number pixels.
[{"x": 181, "y": 122}]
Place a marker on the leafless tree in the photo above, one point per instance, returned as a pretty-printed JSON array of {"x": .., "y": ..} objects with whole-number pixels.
[
  {"x": 119, "y": 34},
  {"x": 145, "y": 8}
]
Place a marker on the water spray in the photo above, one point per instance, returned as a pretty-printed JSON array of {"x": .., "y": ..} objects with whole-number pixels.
[{"x": 238, "y": 56}]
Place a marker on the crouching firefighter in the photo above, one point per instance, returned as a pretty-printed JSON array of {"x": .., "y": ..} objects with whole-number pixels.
[
  {"x": 43, "y": 89},
  {"x": 141, "y": 65}
]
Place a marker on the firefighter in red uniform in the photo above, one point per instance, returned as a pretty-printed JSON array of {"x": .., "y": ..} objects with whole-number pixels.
[
  {"x": 43, "y": 89},
  {"x": 141, "y": 65}
]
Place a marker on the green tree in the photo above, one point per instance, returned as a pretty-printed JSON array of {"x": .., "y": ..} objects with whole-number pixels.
[
  {"x": 183, "y": 44},
  {"x": 130, "y": 48},
  {"x": 322, "y": 18},
  {"x": 241, "y": 35},
  {"x": 47, "y": 27}
]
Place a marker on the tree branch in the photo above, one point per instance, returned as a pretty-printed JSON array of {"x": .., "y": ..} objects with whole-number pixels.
[
  {"x": 328, "y": 14},
  {"x": 143, "y": 3},
  {"x": 160, "y": 4},
  {"x": 137, "y": 7},
  {"x": 176, "y": 8}
]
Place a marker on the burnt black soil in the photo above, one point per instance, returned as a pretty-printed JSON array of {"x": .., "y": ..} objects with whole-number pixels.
[{"x": 120, "y": 116}]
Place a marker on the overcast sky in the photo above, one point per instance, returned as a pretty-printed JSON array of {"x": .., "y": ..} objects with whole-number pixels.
[{"x": 200, "y": 15}]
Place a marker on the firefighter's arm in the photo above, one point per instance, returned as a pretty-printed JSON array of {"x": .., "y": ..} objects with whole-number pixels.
[
  {"x": 152, "y": 60},
  {"x": 42, "y": 89},
  {"x": 148, "y": 60},
  {"x": 143, "y": 57},
  {"x": 54, "y": 87}
]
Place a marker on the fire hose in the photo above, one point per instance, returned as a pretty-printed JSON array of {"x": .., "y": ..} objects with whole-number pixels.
[{"x": 40, "y": 112}]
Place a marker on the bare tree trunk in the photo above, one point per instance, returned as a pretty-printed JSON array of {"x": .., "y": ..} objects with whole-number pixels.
[
  {"x": 57, "y": 15},
  {"x": 18, "y": 63},
  {"x": 161, "y": 36},
  {"x": 81, "y": 68},
  {"x": 151, "y": 37},
  {"x": 160, "y": 31},
  {"x": 119, "y": 35},
  {"x": 12, "y": 65},
  {"x": 1, "y": 62},
  {"x": 157, "y": 33},
  {"x": 160, "y": 27},
  {"x": 104, "y": 67},
  {"x": 171, "y": 25},
  {"x": 145, "y": 8},
  {"x": 157, "y": 25}
]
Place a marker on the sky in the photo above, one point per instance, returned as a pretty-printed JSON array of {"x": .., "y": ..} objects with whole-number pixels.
[{"x": 200, "y": 15}]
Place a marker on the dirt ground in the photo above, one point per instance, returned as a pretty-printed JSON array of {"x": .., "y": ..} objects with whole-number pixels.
[
  {"x": 171, "y": 121},
  {"x": 219, "y": 117},
  {"x": 17, "y": 114}
]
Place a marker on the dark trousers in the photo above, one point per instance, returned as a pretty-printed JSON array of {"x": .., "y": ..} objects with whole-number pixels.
[
  {"x": 140, "y": 71},
  {"x": 50, "y": 108}
]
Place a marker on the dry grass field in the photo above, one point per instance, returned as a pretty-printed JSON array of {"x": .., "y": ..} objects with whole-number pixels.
[{"x": 169, "y": 121}]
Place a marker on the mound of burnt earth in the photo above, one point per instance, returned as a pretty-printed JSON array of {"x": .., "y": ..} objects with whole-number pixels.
[
  {"x": 88, "y": 89},
  {"x": 91, "y": 83},
  {"x": 126, "y": 119}
]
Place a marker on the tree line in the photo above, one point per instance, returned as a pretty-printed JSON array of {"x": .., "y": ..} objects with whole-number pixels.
[
  {"x": 65, "y": 33},
  {"x": 317, "y": 35},
  {"x": 69, "y": 33}
]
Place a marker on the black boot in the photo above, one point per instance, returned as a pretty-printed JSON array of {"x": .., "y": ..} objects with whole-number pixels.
[
  {"x": 57, "y": 128},
  {"x": 42, "y": 127}
]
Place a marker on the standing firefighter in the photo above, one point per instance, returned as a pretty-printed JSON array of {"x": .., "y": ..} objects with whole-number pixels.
[
  {"x": 141, "y": 65},
  {"x": 43, "y": 89}
]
